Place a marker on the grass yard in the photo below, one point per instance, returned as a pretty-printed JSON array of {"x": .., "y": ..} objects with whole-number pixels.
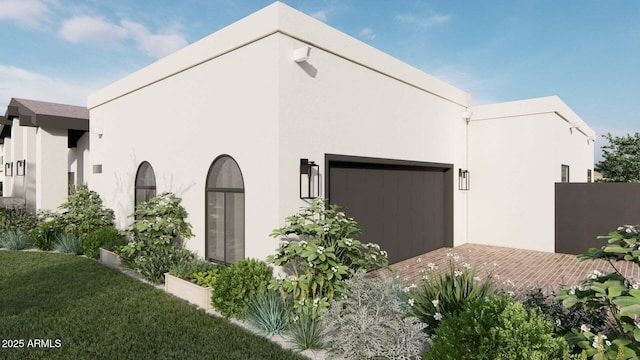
[{"x": 98, "y": 313}]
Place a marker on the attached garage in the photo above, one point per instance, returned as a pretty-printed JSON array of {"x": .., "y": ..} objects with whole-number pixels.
[{"x": 404, "y": 206}]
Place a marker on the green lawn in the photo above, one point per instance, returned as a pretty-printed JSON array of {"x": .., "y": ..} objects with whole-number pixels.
[{"x": 99, "y": 313}]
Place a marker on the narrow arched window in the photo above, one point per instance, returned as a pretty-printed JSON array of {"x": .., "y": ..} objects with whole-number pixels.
[
  {"x": 145, "y": 183},
  {"x": 224, "y": 211}
]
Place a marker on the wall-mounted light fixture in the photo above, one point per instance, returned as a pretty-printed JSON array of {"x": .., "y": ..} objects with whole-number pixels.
[
  {"x": 464, "y": 179},
  {"x": 574, "y": 125},
  {"x": 8, "y": 169},
  {"x": 21, "y": 166},
  {"x": 301, "y": 54},
  {"x": 591, "y": 138},
  {"x": 309, "y": 179}
]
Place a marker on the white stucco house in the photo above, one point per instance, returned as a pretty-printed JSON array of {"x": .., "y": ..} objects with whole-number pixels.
[
  {"x": 44, "y": 148},
  {"x": 237, "y": 124}
]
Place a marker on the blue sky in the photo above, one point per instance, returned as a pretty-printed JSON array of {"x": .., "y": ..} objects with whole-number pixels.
[{"x": 587, "y": 52}]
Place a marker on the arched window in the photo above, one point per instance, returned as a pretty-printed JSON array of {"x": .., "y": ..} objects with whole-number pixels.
[
  {"x": 224, "y": 211},
  {"x": 145, "y": 183}
]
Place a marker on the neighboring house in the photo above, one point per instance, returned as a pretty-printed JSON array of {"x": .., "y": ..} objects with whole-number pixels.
[
  {"x": 237, "y": 124},
  {"x": 45, "y": 147}
]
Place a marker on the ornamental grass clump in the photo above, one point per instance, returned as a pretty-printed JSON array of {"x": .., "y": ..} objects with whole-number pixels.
[
  {"x": 14, "y": 240},
  {"x": 68, "y": 244},
  {"x": 369, "y": 321},
  {"x": 447, "y": 294},
  {"x": 617, "y": 295},
  {"x": 318, "y": 252},
  {"x": 269, "y": 313}
]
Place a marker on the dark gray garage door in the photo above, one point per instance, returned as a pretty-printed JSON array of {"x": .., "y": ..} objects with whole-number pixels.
[{"x": 405, "y": 207}]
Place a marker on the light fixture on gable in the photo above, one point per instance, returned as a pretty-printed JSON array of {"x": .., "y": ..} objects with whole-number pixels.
[
  {"x": 301, "y": 54},
  {"x": 574, "y": 125}
]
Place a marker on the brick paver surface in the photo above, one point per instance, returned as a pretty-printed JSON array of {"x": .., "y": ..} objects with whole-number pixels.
[{"x": 513, "y": 269}]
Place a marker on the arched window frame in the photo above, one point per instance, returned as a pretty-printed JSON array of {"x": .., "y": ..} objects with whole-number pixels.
[
  {"x": 148, "y": 188},
  {"x": 225, "y": 191}
]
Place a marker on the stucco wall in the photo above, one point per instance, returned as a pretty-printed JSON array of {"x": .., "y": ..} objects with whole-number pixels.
[
  {"x": 51, "y": 162},
  {"x": 515, "y": 155}
]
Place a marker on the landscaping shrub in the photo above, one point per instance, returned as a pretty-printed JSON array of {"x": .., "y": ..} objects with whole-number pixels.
[
  {"x": 188, "y": 270},
  {"x": 17, "y": 220},
  {"x": 370, "y": 322},
  {"x": 107, "y": 237},
  {"x": 447, "y": 294},
  {"x": 207, "y": 278},
  {"x": 46, "y": 233},
  {"x": 13, "y": 240},
  {"x": 84, "y": 212},
  {"x": 318, "y": 252},
  {"x": 495, "y": 328},
  {"x": 68, "y": 244},
  {"x": 565, "y": 319},
  {"x": 156, "y": 237},
  {"x": 238, "y": 285},
  {"x": 269, "y": 313},
  {"x": 611, "y": 292}
]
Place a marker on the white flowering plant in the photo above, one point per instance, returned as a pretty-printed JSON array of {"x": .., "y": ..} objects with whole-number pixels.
[
  {"x": 445, "y": 294},
  {"x": 618, "y": 295},
  {"x": 319, "y": 252}
]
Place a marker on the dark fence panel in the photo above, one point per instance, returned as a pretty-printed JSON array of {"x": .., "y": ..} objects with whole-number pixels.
[{"x": 584, "y": 211}]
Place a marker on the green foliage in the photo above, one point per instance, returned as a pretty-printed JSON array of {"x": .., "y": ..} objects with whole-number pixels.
[
  {"x": 17, "y": 220},
  {"x": 621, "y": 158},
  {"x": 447, "y": 294},
  {"x": 13, "y": 240},
  {"x": 84, "y": 212},
  {"x": 107, "y": 238},
  {"x": 269, "y": 313},
  {"x": 370, "y": 322},
  {"x": 493, "y": 329},
  {"x": 564, "y": 319},
  {"x": 98, "y": 313},
  {"x": 613, "y": 293},
  {"x": 156, "y": 237},
  {"x": 307, "y": 332},
  {"x": 46, "y": 233},
  {"x": 68, "y": 244},
  {"x": 161, "y": 220},
  {"x": 319, "y": 252},
  {"x": 187, "y": 270},
  {"x": 207, "y": 278},
  {"x": 238, "y": 285}
]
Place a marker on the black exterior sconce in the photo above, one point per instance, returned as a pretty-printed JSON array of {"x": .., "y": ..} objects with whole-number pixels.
[
  {"x": 21, "y": 166},
  {"x": 309, "y": 179},
  {"x": 8, "y": 169},
  {"x": 464, "y": 179}
]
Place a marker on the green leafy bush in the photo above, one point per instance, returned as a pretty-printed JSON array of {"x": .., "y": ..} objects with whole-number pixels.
[
  {"x": 269, "y": 313},
  {"x": 187, "y": 270},
  {"x": 613, "y": 293},
  {"x": 370, "y": 321},
  {"x": 207, "y": 278},
  {"x": 107, "y": 238},
  {"x": 84, "y": 212},
  {"x": 565, "y": 319},
  {"x": 493, "y": 329},
  {"x": 46, "y": 233},
  {"x": 14, "y": 240},
  {"x": 17, "y": 220},
  {"x": 447, "y": 294},
  {"x": 238, "y": 285},
  {"x": 319, "y": 252},
  {"x": 68, "y": 244},
  {"x": 156, "y": 239}
]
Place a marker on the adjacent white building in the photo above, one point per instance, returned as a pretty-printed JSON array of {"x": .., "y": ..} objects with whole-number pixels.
[{"x": 238, "y": 123}]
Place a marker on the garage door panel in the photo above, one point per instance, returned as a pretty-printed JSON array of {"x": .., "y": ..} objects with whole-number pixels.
[{"x": 402, "y": 210}]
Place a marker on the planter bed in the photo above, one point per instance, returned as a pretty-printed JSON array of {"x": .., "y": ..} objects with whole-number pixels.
[
  {"x": 186, "y": 290},
  {"x": 110, "y": 259}
]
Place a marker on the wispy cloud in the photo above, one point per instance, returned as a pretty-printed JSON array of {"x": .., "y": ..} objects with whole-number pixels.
[
  {"x": 88, "y": 29},
  {"x": 320, "y": 15},
  {"x": 22, "y": 83},
  {"x": 31, "y": 13},
  {"x": 155, "y": 45},
  {"x": 97, "y": 30},
  {"x": 423, "y": 21},
  {"x": 367, "y": 33}
]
